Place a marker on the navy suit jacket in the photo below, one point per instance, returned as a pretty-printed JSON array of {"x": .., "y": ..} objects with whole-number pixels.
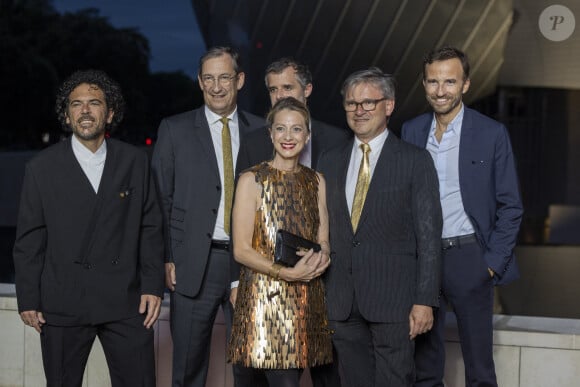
[
  {"x": 489, "y": 185},
  {"x": 186, "y": 170},
  {"x": 393, "y": 260},
  {"x": 70, "y": 275}
]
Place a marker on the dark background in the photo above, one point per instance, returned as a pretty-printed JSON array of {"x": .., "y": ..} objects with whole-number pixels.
[{"x": 152, "y": 48}]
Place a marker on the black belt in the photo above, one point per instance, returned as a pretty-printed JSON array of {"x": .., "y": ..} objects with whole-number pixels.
[
  {"x": 220, "y": 245},
  {"x": 448, "y": 243}
]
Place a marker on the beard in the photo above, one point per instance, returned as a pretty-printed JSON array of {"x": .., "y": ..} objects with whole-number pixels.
[
  {"x": 91, "y": 133},
  {"x": 89, "y": 136}
]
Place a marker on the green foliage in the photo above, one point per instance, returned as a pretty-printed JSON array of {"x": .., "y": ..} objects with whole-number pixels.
[{"x": 39, "y": 48}]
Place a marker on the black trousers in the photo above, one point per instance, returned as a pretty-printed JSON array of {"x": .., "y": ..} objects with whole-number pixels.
[
  {"x": 127, "y": 344},
  {"x": 373, "y": 354},
  {"x": 192, "y": 322}
]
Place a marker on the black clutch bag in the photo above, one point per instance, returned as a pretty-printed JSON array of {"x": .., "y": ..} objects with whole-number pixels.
[{"x": 287, "y": 244}]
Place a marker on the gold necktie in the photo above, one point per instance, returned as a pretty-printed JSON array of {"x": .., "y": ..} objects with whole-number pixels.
[
  {"x": 362, "y": 186},
  {"x": 228, "y": 173}
]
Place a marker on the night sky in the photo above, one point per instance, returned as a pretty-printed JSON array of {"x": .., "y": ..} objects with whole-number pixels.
[{"x": 170, "y": 27}]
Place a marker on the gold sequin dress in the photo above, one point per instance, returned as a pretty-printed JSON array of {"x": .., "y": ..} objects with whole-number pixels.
[{"x": 279, "y": 324}]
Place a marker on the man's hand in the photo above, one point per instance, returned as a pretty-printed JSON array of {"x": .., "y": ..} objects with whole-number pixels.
[
  {"x": 152, "y": 305},
  {"x": 420, "y": 320},
  {"x": 33, "y": 319},
  {"x": 170, "y": 276}
]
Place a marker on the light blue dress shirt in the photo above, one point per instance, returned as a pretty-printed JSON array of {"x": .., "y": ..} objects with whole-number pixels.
[{"x": 445, "y": 155}]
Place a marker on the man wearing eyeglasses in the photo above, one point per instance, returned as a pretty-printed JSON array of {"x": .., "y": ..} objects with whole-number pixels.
[
  {"x": 385, "y": 224},
  {"x": 194, "y": 163}
]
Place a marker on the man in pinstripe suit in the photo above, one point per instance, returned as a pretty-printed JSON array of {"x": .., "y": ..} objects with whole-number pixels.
[{"x": 384, "y": 278}]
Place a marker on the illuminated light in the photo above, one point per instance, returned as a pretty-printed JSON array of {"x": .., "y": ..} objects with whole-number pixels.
[{"x": 148, "y": 141}]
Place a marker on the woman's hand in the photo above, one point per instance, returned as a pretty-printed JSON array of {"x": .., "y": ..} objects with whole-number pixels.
[{"x": 310, "y": 266}]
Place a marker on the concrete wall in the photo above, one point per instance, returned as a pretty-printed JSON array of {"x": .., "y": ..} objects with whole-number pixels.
[{"x": 528, "y": 351}]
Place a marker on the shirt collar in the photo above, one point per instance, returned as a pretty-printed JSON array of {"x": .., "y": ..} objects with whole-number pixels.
[
  {"x": 376, "y": 142},
  {"x": 453, "y": 127},
  {"x": 213, "y": 118},
  {"x": 83, "y": 153}
]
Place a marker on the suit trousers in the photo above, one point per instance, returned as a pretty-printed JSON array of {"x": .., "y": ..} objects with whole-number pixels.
[
  {"x": 468, "y": 288},
  {"x": 127, "y": 344},
  {"x": 373, "y": 354},
  {"x": 192, "y": 322}
]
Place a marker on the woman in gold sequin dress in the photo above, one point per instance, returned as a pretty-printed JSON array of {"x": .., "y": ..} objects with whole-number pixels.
[{"x": 280, "y": 322}]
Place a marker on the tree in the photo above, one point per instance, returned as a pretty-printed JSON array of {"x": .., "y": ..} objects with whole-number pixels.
[{"x": 39, "y": 48}]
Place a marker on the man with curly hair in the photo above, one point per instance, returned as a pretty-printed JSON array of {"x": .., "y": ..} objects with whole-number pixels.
[{"x": 89, "y": 245}]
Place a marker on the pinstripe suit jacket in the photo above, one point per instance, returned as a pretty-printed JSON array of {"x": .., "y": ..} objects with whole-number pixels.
[{"x": 393, "y": 260}]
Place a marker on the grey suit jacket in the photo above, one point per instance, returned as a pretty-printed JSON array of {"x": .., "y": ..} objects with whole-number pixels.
[
  {"x": 393, "y": 261},
  {"x": 76, "y": 276},
  {"x": 186, "y": 170}
]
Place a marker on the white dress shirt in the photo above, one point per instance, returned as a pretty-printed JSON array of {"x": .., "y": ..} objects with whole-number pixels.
[
  {"x": 445, "y": 155},
  {"x": 356, "y": 155},
  {"x": 91, "y": 163},
  {"x": 215, "y": 128}
]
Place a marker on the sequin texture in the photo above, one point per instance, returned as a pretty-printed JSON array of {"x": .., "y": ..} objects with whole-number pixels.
[{"x": 279, "y": 324}]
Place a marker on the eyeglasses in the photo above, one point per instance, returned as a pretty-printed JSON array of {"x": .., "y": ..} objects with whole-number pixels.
[
  {"x": 367, "y": 105},
  {"x": 223, "y": 80}
]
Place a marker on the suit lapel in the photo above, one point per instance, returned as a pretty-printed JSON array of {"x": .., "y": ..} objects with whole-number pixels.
[
  {"x": 202, "y": 134},
  {"x": 424, "y": 132},
  {"x": 342, "y": 171},
  {"x": 466, "y": 142},
  {"x": 243, "y": 124},
  {"x": 108, "y": 170},
  {"x": 73, "y": 170}
]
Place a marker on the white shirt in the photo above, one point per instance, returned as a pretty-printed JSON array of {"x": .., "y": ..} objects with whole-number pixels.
[
  {"x": 356, "y": 155},
  {"x": 445, "y": 156},
  {"x": 215, "y": 128},
  {"x": 91, "y": 163}
]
